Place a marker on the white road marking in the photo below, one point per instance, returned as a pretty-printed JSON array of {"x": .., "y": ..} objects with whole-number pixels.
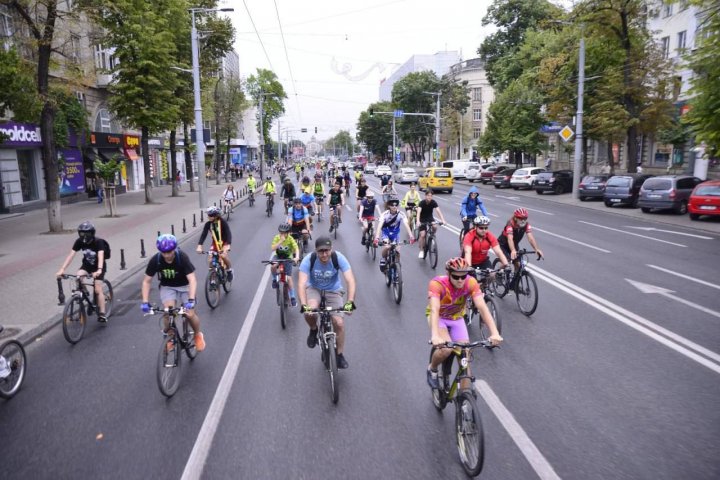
[
  {"x": 653, "y": 229},
  {"x": 686, "y": 277},
  {"x": 571, "y": 240},
  {"x": 508, "y": 198},
  {"x": 529, "y": 209},
  {"x": 633, "y": 234},
  {"x": 647, "y": 288},
  {"x": 670, "y": 339},
  {"x": 537, "y": 460},
  {"x": 194, "y": 466}
]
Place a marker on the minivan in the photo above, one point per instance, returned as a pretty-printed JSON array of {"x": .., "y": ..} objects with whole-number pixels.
[
  {"x": 667, "y": 192},
  {"x": 458, "y": 167},
  {"x": 624, "y": 189}
]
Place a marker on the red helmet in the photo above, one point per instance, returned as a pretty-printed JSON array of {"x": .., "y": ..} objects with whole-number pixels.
[
  {"x": 457, "y": 264},
  {"x": 521, "y": 213}
]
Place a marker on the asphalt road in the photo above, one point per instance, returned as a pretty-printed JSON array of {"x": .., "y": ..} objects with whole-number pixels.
[{"x": 603, "y": 381}]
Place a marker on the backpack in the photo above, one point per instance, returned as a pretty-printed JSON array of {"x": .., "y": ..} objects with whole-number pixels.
[
  {"x": 106, "y": 249},
  {"x": 334, "y": 256}
]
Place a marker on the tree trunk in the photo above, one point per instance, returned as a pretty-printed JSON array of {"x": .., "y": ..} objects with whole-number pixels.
[
  {"x": 146, "y": 164},
  {"x": 632, "y": 149},
  {"x": 188, "y": 159},
  {"x": 610, "y": 157},
  {"x": 173, "y": 165}
]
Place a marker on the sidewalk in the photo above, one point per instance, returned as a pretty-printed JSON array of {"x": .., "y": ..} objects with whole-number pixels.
[{"x": 30, "y": 257}]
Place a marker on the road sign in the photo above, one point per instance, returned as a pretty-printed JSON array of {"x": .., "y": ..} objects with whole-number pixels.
[
  {"x": 397, "y": 158},
  {"x": 389, "y": 148},
  {"x": 303, "y": 130},
  {"x": 398, "y": 113},
  {"x": 566, "y": 133}
]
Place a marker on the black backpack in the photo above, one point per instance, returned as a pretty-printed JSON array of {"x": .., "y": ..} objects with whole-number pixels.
[
  {"x": 106, "y": 248},
  {"x": 334, "y": 256}
]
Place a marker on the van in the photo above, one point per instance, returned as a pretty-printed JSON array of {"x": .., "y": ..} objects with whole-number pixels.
[
  {"x": 667, "y": 192},
  {"x": 436, "y": 179},
  {"x": 458, "y": 167}
]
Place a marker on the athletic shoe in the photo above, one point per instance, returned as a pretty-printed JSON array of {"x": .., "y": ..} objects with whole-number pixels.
[
  {"x": 293, "y": 301},
  {"x": 432, "y": 379},
  {"x": 275, "y": 282},
  {"x": 382, "y": 265},
  {"x": 421, "y": 254},
  {"x": 341, "y": 362},
  {"x": 312, "y": 340},
  {"x": 102, "y": 318},
  {"x": 230, "y": 275},
  {"x": 199, "y": 342}
]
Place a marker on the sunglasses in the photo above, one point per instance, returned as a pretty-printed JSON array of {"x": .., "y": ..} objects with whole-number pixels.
[
  {"x": 324, "y": 250},
  {"x": 481, "y": 228},
  {"x": 459, "y": 277}
]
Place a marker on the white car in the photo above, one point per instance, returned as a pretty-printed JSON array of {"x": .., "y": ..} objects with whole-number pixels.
[
  {"x": 370, "y": 168},
  {"x": 383, "y": 170},
  {"x": 474, "y": 170},
  {"x": 525, "y": 177},
  {"x": 406, "y": 175}
]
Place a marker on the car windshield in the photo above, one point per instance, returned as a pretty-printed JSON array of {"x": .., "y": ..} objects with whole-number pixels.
[
  {"x": 657, "y": 184},
  {"x": 473, "y": 167},
  {"x": 619, "y": 182},
  {"x": 593, "y": 179},
  {"x": 708, "y": 190},
  {"x": 442, "y": 173},
  {"x": 522, "y": 171}
]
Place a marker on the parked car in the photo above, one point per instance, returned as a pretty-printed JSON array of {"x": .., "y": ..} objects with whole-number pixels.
[
  {"x": 382, "y": 170},
  {"x": 624, "y": 189},
  {"x": 502, "y": 179},
  {"x": 525, "y": 177},
  {"x": 667, "y": 192},
  {"x": 705, "y": 200},
  {"x": 370, "y": 167},
  {"x": 592, "y": 186},
  {"x": 487, "y": 175},
  {"x": 436, "y": 179},
  {"x": 559, "y": 181},
  {"x": 406, "y": 175}
]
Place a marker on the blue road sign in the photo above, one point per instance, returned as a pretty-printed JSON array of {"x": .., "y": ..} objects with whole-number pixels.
[{"x": 398, "y": 113}]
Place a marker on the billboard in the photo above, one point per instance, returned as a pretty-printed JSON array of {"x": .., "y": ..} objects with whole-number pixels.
[{"x": 72, "y": 173}]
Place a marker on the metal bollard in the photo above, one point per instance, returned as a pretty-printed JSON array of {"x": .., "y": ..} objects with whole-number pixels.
[
  {"x": 158, "y": 233},
  {"x": 122, "y": 259},
  {"x": 142, "y": 248},
  {"x": 172, "y": 230},
  {"x": 184, "y": 227},
  {"x": 201, "y": 216},
  {"x": 221, "y": 204},
  {"x": 194, "y": 222}
]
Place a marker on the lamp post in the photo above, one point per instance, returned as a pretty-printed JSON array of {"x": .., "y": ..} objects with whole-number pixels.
[
  {"x": 199, "y": 137},
  {"x": 579, "y": 120}
]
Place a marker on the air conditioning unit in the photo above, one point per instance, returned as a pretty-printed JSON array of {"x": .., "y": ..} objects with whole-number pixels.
[
  {"x": 653, "y": 13},
  {"x": 81, "y": 97}
]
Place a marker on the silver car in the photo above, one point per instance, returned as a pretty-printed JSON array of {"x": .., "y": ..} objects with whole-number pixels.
[{"x": 406, "y": 175}]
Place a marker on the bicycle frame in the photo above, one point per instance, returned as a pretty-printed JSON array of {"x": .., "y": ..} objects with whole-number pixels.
[{"x": 463, "y": 354}]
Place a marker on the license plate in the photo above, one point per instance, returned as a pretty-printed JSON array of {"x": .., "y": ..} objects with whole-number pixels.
[
  {"x": 542, "y": 183},
  {"x": 590, "y": 187},
  {"x": 707, "y": 207},
  {"x": 615, "y": 200},
  {"x": 654, "y": 195}
]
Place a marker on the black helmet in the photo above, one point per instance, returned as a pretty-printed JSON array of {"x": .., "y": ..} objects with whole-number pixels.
[
  {"x": 86, "y": 231},
  {"x": 297, "y": 200}
]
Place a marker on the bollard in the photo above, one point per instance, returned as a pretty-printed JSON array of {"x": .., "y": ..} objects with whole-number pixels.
[
  {"x": 184, "y": 227},
  {"x": 194, "y": 222},
  {"x": 201, "y": 216},
  {"x": 221, "y": 204},
  {"x": 142, "y": 248},
  {"x": 172, "y": 230},
  {"x": 61, "y": 295},
  {"x": 158, "y": 233},
  {"x": 122, "y": 259}
]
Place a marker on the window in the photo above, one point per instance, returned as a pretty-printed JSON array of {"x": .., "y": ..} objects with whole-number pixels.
[
  {"x": 681, "y": 38},
  {"x": 667, "y": 9},
  {"x": 477, "y": 114},
  {"x": 103, "y": 121},
  {"x": 476, "y": 133},
  {"x": 665, "y": 46},
  {"x": 28, "y": 183},
  {"x": 104, "y": 59},
  {"x": 477, "y": 94},
  {"x": 5, "y": 27},
  {"x": 74, "y": 53}
]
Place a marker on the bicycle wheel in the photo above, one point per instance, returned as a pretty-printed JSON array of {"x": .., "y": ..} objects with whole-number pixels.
[
  {"x": 226, "y": 284},
  {"x": 470, "y": 312},
  {"x": 212, "y": 289},
  {"x": 397, "y": 285},
  {"x": 432, "y": 252},
  {"x": 336, "y": 224},
  {"x": 108, "y": 294},
  {"x": 74, "y": 320},
  {"x": 332, "y": 370},
  {"x": 12, "y": 354},
  {"x": 500, "y": 286},
  {"x": 388, "y": 274},
  {"x": 469, "y": 434},
  {"x": 168, "y": 366},
  {"x": 282, "y": 303},
  {"x": 373, "y": 252},
  {"x": 189, "y": 339},
  {"x": 439, "y": 397},
  {"x": 526, "y": 293},
  {"x": 484, "y": 330}
]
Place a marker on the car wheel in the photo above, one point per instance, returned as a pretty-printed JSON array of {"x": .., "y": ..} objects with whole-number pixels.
[
  {"x": 645, "y": 210},
  {"x": 558, "y": 189},
  {"x": 682, "y": 208},
  {"x": 450, "y": 191},
  {"x": 497, "y": 186},
  {"x": 694, "y": 216},
  {"x": 608, "y": 204},
  {"x": 583, "y": 198},
  {"x": 539, "y": 192}
]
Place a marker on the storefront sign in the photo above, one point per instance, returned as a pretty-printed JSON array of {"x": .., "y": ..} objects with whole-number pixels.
[
  {"x": 20, "y": 135},
  {"x": 72, "y": 173},
  {"x": 106, "y": 140},
  {"x": 131, "y": 141}
]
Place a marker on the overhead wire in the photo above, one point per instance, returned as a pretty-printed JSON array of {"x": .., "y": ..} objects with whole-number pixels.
[
  {"x": 258, "y": 35},
  {"x": 287, "y": 58}
]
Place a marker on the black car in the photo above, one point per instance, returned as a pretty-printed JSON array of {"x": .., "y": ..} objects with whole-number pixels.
[
  {"x": 624, "y": 189},
  {"x": 592, "y": 186},
  {"x": 502, "y": 179},
  {"x": 559, "y": 181}
]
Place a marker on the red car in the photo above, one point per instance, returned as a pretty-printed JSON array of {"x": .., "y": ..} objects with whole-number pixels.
[{"x": 705, "y": 200}]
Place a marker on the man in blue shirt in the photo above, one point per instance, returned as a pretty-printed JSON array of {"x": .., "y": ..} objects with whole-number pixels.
[
  {"x": 469, "y": 207},
  {"x": 299, "y": 220},
  {"x": 321, "y": 271}
]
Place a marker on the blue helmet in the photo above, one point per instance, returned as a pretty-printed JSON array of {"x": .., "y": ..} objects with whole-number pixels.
[{"x": 166, "y": 243}]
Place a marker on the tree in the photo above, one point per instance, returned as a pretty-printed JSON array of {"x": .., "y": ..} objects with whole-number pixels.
[
  {"x": 376, "y": 130},
  {"x": 341, "y": 143},
  {"x": 454, "y": 102},
  {"x": 229, "y": 107},
  {"x": 18, "y": 92},
  {"x": 409, "y": 95},
  {"x": 266, "y": 84}
]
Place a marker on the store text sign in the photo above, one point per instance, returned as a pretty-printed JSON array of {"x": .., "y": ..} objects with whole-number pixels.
[{"x": 20, "y": 135}]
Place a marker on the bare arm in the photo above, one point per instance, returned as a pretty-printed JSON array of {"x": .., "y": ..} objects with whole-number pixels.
[
  {"x": 192, "y": 284},
  {"x": 302, "y": 284},
  {"x": 533, "y": 244},
  {"x": 435, "y": 321},
  {"x": 146, "y": 284},
  {"x": 65, "y": 264}
]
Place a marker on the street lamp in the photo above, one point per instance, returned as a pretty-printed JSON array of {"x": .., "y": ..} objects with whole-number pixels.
[
  {"x": 199, "y": 137},
  {"x": 262, "y": 134},
  {"x": 437, "y": 125}
]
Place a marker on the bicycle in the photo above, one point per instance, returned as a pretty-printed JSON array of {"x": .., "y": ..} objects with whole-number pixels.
[
  {"x": 301, "y": 241},
  {"x": 79, "y": 305},
  {"x": 228, "y": 207},
  {"x": 169, "y": 364},
  {"x": 483, "y": 278},
  {"x": 270, "y": 204},
  {"x": 319, "y": 206},
  {"x": 368, "y": 239},
  {"x": 12, "y": 367},
  {"x": 251, "y": 198},
  {"x": 283, "y": 298},
  {"x": 522, "y": 282},
  {"x": 393, "y": 271},
  {"x": 334, "y": 219},
  {"x": 216, "y": 277},
  {"x": 468, "y": 424},
  {"x": 431, "y": 250}
]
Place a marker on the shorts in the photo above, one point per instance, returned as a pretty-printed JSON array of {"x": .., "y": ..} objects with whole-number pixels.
[
  {"x": 423, "y": 226},
  {"x": 174, "y": 294},
  {"x": 288, "y": 265},
  {"x": 297, "y": 228},
  {"x": 332, "y": 299},
  {"x": 319, "y": 199},
  {"x": 368, "y": 219},
  {"x": 391, "y": 237},
  {"x": 456, "y": 328}
]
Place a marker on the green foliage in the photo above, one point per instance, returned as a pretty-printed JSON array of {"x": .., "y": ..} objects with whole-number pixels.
[
  {"x": 341, "y": 141},
  {"x": 18, "y": 92},
  {"x": 376, "y": 130},
  {"x": 108, "y": 170},
  {"x": 265, "y": 83},
  {"x": 70, "y": 116},
  {"x": 408, "y": 95}
]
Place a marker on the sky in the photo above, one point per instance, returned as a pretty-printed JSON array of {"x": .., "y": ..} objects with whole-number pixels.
[{"x": 337, "y": 52}]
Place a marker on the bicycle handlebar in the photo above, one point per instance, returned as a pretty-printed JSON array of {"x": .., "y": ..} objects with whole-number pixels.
[
  {"x": 279, "y": 260},
  {"x": 156, "y": 310},
  {"x": 326, "y": 310},
  {"x": 471, "y": 345},
  {"x": 524, "y": 251}
]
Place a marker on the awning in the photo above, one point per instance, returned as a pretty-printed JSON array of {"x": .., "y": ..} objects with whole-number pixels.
[
  {"x": 131, "y": 154},
  {"x": 108, "y": 154}
]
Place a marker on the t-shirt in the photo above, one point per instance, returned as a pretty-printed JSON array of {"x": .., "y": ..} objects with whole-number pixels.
[
  {"x": 368, "y": 207},
  {"x": 287, "y": 248},
  {"x": 90, "y": 253},
  {"x": 391, "y": 223},
  {"x": 362, "y": 191},
  {"x": 335, "y": 196},
  {"x": 426, "y": 210},
  {"x": 298, "y": 215},
  {"x": 324, "y": 276},
  {"x": 452, "y": 301},
  {"x": 219, "y": 231},
  {"x": 480, "y": 247},
  {"x": 319, "y": 189},
  {"x": 172, "y": 274},
  {"x": 512, "y": 228}
]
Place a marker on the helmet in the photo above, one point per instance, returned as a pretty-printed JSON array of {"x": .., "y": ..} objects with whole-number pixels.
[
  {"x": 318, "y": 175},
  {"x": 370, "y": 194},
  {"x": 86, "y": 231},
  {"x": 297, "y": 200},
  {"x": 521, "y": 213},
  {"x": 287, "y": 180},
  {"x": 457, "y": 264},
  {"x": 166, "y": 243},
  {"x": 284, "y": 228},
  {"x": 306, "y": 180},
  {"x": 481, "y": 221},
  {"x": 213, "y": 211},
  {"x": 393, "y": 201}
]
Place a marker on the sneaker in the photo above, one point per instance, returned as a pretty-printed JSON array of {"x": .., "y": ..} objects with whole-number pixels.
[
  {"x": 421, "y": 255},
  {"x": 293, "y": 301},
  {"x": 382, "y": 266},
  {"x": 102, "y": 318},
  {"x": 312, "y": 340},
  {"x": 432, "y": 379},
  {"x": 199, "y": 342},
  {"x": 362, "y": 241},
  {"x": 341, "y": 362},
  {"x": 275, "y": 282},
  {"x": 230, "y": 275},
  {"x": 331, "y": 228}
]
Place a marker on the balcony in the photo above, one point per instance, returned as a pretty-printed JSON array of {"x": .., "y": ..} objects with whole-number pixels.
[{"x": 104, "y": 79}]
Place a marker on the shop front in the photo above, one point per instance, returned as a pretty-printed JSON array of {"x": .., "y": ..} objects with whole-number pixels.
[
  {"x": 21, "y": 172},
  {"x": 134, "y": 167},
  {"x": 105, "y": 147}
]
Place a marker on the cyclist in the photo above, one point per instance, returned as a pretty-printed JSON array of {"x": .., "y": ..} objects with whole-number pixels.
[
  {"x": 287, "y": 193},
  {"x": 299, "y": 219},
  {"x": 297, "y": 171},
  {"x": 358, "y": 176},
  {"x": 389, "y": 228},
  {"x": 447, "y": 299},
  {"x": 230, "y": 195},
  {"x": 388, "y": 191},
  {"x": 478, "y": 242},
  {"x": 251, "y": 183},
  {"x": 362, "y": 189},
  {"x": 221, "y": 238},
  {"x": 425, "y": 213},
  {"x": 93, "y": 261},
  {"x": 410, "y": 200},
  {"x": 320, "y": 271},
  {"x": 469, "y": 207},
  {"x": 305, "y": 186},
  {"x": 177, "y": 282},
  {"x": 515, "y": 229},
  {"x": 336, "y": 202},
  {"x": 268, "y": 187},
  {"x": 340, "y": 176},
  {"x": 308, "y": 201},
  {"x": 284, "y": 246},
  {"x": 319, "y": 191},
  {"x": 366, "y": 212},
  {"x": 347, "y": 180},
  {"x": 384, "y": 179}
]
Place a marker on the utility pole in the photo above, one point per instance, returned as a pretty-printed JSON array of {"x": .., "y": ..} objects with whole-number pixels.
[
  {"x": 262, "y": 137},
  {"x": 392, "y": 158},
  {"x": 579, "y": 120},
  {"x": 279, "y": 144}
]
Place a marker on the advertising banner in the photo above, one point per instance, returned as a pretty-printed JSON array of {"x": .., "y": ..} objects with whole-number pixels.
[
  {"x": 20, "y": 135},
  {"x": 72, "y": 173}
]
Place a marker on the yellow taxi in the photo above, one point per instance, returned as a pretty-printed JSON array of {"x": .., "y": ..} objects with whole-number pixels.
[{"x": 436, "y": 179}]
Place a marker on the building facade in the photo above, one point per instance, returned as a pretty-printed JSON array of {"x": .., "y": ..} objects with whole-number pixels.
[{"x": 439, "y": 63}]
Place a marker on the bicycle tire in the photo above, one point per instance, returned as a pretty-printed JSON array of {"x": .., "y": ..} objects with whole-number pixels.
[
  {"x": 439, "y": 397},
  {"x": 281, "y": 303},
  {"x": 397, "y": 285},
  {"x": 74, "y": 320},
  {"x": 109, "y": 297},
  {"x": 169, "y": 366},
  {"x": 469, "y": 435},
  {"x": 484, "y": 330},
  {"x": 227, "y": 214},
  {"x": 526, "y": 293},
  {"x": 336, "y": 224},
  {"x": 388, "y": 274},
  {"x": 432, "y": 252},
  {"x": 332, "y": 371},
  {"x": 212, "y": 289},
  {"x": 373, "y": 253},
  {"x": 500, "y": 286},
  {"x": 227, "y": 284},
  {"x": 189, "y": 339},
  {"x": 14, "y": 354}
]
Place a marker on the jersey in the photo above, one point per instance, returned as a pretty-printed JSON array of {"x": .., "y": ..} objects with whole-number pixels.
[
  {"x": 318, "y": 189},
  {"x": 298, "y": 216},
  {"x": 362, "y": 191},
  {"x": 390, "y": 223},
  {"x": 287, "y": 191},
  {"x": 512, "y": 228},
  {"x": 335, "y": 196},
  {"x": 229, "y": 195},
  {"x": 173, "y": 274},
  {"x": 287, "y": 248},
  {"x": 479, "y": 247},
  {"x": 452, "y": 300},
  {"x": 251, "y": 184},
  {"x": 220, "y": 231},
  {"x": 324, "y": 276},
  {"x": 368, "y": 208},
  {"x": 90, "y": 253},
  {"x": 269, "y": 187},
  {"x": 410, "y": 200},
  {"x": 306, "y": 188}
]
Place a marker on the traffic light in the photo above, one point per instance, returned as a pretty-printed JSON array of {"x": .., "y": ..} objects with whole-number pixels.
[
  {"x": 316, "y": 130},
  {"x": 372, "y": 111}
]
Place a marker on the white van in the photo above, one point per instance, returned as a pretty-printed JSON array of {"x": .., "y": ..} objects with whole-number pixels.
[{"x": 458, "y": 167}]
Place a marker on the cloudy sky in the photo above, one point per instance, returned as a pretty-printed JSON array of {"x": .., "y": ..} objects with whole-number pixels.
[{"x": 338, "y": 51}]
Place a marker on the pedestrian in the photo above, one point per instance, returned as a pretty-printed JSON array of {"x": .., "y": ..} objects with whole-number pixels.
[
  {"x": 100, "y": 192},
  {"x": 639, "y": 168}
]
